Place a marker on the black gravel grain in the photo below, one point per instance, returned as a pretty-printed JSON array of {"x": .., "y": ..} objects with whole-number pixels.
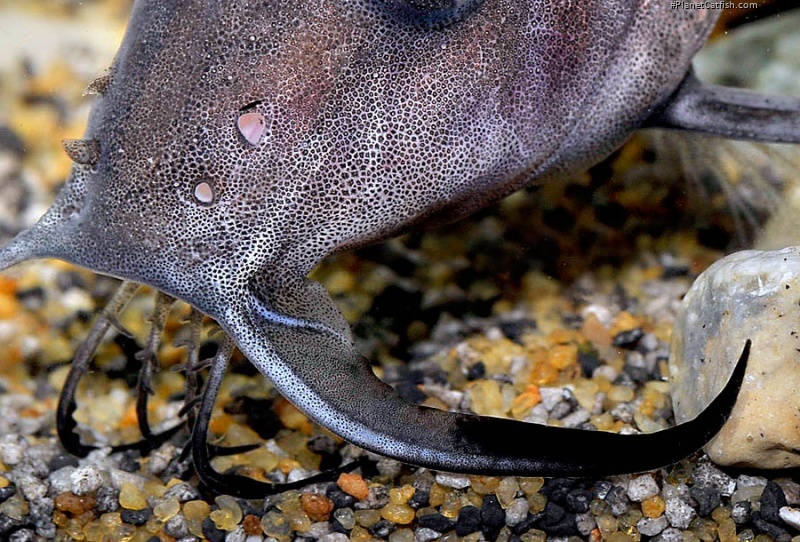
[
  {"x": 469, "y": 521},
  {"x": 136, "y": 517}
]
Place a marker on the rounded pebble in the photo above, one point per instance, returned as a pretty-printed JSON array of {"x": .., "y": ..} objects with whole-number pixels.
[
  {"x": 507, "y": 490},
  {"x": 469, "y": 521},
  {"x": 196, "y": 512},
  {"x": 424, "y": 534},
  {"x": 401, "y": 495},
  {"x": 167, "y": 508},
  {"x": 707, "y": 475},
  {"x": 772, "y": 500},
  {"x": 183, "y": 491},
  {"x": 87, "y": 479},
  {"x": 436, "y": 522},
  {"x": 516, "y": 511},
  {"x": 493, "y": 517},
  {"x": 578, "y": 500},
  {"x": 136, "y": 517},
  {"x": 317, "y": 507},
  {"x": 176, "y": 527},
  {"x": 130, "y": 497},
  {"x": 708, "y": 499},
  {"x": 653, "y": 507},
  {"x": 74, "y": 504},
  {"x": 7, "y": 491},
  {"x": 12, "y": 449},
  {"x": 211, "y": 532},
  {"x": 617, "y": 499},
  {"x": 585, "y": 523},
  {"x": 107, "y": 499},
  {"x": 353, "y": 484},
  {"x": 402, "y": 535},
  {"x": 345, "y": 517},
  {"x": 401, "y": 514},
  {"x": 791, "y": 516},
  {"x": 642, "y": 487},
  {"x": 679, "y": 514},
  {"x": 455, "y": 481},
  {"x": 652, "y": 526}
]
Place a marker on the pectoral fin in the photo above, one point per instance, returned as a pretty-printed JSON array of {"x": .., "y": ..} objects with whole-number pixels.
[
  {"x": 313, "y": 363},
  {"x": 730, "y": 112}
]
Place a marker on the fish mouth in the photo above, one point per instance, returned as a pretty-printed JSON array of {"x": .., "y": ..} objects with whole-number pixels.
[
  {"x": 55, "y": 233},
  {"x": 18, "y": 250}
]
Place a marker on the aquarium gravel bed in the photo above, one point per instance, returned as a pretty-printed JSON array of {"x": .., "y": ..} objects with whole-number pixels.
[{"x": 554, "y": 306}]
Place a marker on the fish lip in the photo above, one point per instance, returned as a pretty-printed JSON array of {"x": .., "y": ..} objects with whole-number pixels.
[{"x": 18, "y": 250}]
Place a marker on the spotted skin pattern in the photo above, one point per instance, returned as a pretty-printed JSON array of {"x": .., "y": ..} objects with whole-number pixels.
[{"x": 237, "y": 143}]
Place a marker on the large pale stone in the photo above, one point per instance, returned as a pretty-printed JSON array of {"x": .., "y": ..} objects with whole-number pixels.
[{"x": 748, "y": 295}]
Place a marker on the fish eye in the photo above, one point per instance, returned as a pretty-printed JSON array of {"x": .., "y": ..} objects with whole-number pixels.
[
  {"x": 204, "y": 192},
  {"x": 252, "y": 126}
]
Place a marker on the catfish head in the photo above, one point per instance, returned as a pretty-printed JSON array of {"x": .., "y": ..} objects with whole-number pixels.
[{"x": 241, "y": 138}]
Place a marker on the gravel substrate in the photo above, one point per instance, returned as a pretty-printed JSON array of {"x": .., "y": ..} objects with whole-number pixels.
[{"x": 554, "y": 306}]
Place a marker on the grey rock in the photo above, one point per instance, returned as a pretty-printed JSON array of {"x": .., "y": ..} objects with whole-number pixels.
[
  {"x": 12, "y": 449},
  {"x": 740, "y": 513},
  {"x": 456, "y": 481},
  {"x": 576, "y": 418},
  {"x": 679, "y": 490},
  {"x": 790, "y": 516},
  {"x": 560, "y": 410},
  {"x": 318, "y": 529},
  {"x": 602, "y": 487},
  {"x": 791, "y": 489},
  {"x": 422, "y": 535},
  {"x": 108, "y": 500},
  {"x": 345, "y": 517},
  {"x": 389, "y": 467},
  {"x": 707, "y": 475},
  {"x": 642, "y": 488},
  {"x": 552, "y": 397},
  {"x": 377, "y": 497},
  {"x": 183, "y": 492},
  {"x": 161, "y": 458},
  {"x": 61, "y": 480},
  {"x": 176, "y": 526},
  {"x": 517, "y": 511},
  {"x": 618, "y": 501},
  {"x": 745, "y": 480},
  {"x": 652, "y": 526},
  {"x": 679, "y": 514},
  {"x": 237, "y": 535},
  {"x": 748, "y": 295},
  {"x": 23, "y": 535},
  {"x": 86, "y": 479},
  {"x": 31, "y": 487},
  {"x": 585, "y": 523},
  {"x": 670, "y": 534},
  {"x": 538, "y": 414},
  {"x": 295, "y": 475}
]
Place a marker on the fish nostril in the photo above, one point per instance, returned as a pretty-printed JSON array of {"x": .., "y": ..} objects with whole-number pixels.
[
  {"x": 71, "y": 211},
  {"x": 204, "y": 193},
  {"x": 252, "y": 126}
]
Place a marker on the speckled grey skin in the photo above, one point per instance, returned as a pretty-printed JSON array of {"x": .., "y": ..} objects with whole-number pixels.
[{"x": 237, "y": 143}]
